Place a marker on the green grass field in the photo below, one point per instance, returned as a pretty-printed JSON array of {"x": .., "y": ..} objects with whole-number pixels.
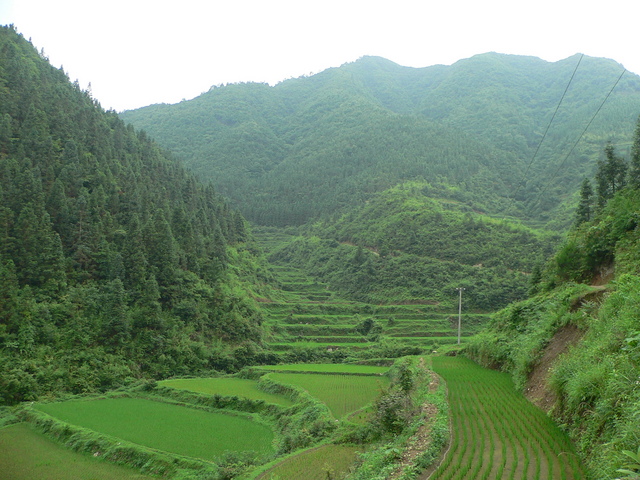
[
  {"x": 167, "y": 427},
  {"x": 496, "y": 432},
  {"x": 343, "y": 394},
  {"x": 239, "y": 387},
  {"x": 328, "y": 461},
  {"x": 28, "y": 455},
  {"x": 326, "y": 368}
]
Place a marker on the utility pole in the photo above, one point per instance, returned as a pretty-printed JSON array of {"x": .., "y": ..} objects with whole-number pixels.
[{"x": 460, "y": 289}]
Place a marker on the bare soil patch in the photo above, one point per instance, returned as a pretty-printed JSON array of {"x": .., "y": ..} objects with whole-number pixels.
[{"x": 537, "y": 389}]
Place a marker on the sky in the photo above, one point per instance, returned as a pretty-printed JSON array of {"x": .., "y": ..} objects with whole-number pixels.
[{"x": 135, "y": 53}]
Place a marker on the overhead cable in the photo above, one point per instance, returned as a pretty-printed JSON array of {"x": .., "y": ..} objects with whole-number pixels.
[
  {"x": 576, "y": 144},
  {"x": 524, "y": 176}
]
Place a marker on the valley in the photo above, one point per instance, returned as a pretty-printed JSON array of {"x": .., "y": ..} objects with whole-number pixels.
[
  {"x": 322, "y": 420},
  {"x": 263, "y": 282}
]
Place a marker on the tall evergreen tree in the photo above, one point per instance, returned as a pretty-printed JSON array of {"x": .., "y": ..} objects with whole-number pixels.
[
  {"x": 611, "y": 175},
  {"x": 39, "y": 258},
  {"x": 163, "y": 254},
  {"x": 634, "y": 170},
  {"x": 583, "y": 212}
]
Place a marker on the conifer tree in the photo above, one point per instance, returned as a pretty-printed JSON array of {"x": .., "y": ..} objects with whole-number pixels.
[
  {"x": 8, "y": 294},
  {"x": 634, "y": 170},
  {"x": 611, "y": 175},
  {"x": 583, "y": 212},
  {"x": 535, "y": 279},
  {"x": 38, "y": 255},
  {"x": 115, "y": 328},
  {"x": 135, "y": 260},
  {"x": 162, "y": 252}
]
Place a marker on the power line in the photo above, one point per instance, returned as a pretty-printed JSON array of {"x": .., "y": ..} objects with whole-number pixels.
[
  {"x": 524, "y": 176},
  {"x": 548, "y": 183}
]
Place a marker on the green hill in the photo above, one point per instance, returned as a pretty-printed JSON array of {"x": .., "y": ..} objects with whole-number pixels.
[
  {"x": 115, "y": 263},
  {"x": 405, "y": 246},
  {"x": 312, "y": 146}
]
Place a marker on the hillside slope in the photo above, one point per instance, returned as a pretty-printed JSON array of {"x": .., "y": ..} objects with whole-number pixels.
[
  {"x": 315, "y": 145},
  {"x": 580, "y": 336},
  {"x": 406, "y": 246},
  {"x": 115, "y": 263}
]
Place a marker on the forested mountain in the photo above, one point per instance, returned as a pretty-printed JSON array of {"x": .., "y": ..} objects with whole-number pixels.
[
  {"x": 315, "y": 145},
  {"x": 114, "y": 261}
]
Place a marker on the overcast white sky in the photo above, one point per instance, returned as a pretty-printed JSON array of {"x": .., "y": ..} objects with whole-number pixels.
[{"x": 139, "y": 52}]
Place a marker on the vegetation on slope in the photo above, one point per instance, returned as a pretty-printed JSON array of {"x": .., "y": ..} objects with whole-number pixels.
[
  {"x": 115, "y": 263},
  {"x": 592, "y": 284},
  {"x": 311, "y": 146},
  {"x": 406, "y": 246}
]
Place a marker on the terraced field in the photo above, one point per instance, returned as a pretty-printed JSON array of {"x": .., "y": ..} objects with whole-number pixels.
[
  {"x": 314, "y": 316},
  {"x": 343, "y": 394},
  {"x": 328, "y": 461},
  {"x": 325, "y": 368},
  {"x": 26, "y": 454},
  {"x": 224, "y": 386},
  {"x": 311, "y": 315},
  {"x": 167, "y": 427},
  {"x": 496, "y": 432}
]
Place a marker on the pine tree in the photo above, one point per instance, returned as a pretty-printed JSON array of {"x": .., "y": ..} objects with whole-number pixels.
[
  {"x": 5, "y": 133},
  {"x": 38, "y": 255},
  {"x": 634, "y": 171},
  {"x": 535, "y": 279},
  {"x": 135, "y": 260},
  {"x": 162, "y": 252},
  {"x": 583, "y": 212},
  {"x": 115, "y": 327},
  {"x": 8, "y": 295},
  {"x": 611, "y": 175}
]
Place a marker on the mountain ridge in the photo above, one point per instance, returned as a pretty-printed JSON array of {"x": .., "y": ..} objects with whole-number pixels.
[{"x": 266, "y": 147}]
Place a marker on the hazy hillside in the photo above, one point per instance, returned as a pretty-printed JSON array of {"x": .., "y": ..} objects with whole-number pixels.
[
  {"x": 314, "y": 145},
  {"x": 114, "y": 261}
]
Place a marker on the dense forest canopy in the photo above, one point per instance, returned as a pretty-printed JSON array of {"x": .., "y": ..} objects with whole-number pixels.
[
  {"x": 311, "y": 146},
  {"x": 114, "y": 261}
]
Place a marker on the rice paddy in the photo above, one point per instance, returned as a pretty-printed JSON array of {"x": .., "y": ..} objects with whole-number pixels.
[
  {"x": 326, "y": 368},
  {"x": 343, "y": 394},
  {"x": 328, "y": 461},
  {"x": 496, "y": 432},
  {"x": 162, "y": 426},
  {"x": 27, "y": 455},
  {"x": 226, "y": 386}
]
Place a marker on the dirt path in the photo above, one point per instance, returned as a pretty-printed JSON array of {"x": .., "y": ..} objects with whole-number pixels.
[{"x": 422, "y": 438}]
